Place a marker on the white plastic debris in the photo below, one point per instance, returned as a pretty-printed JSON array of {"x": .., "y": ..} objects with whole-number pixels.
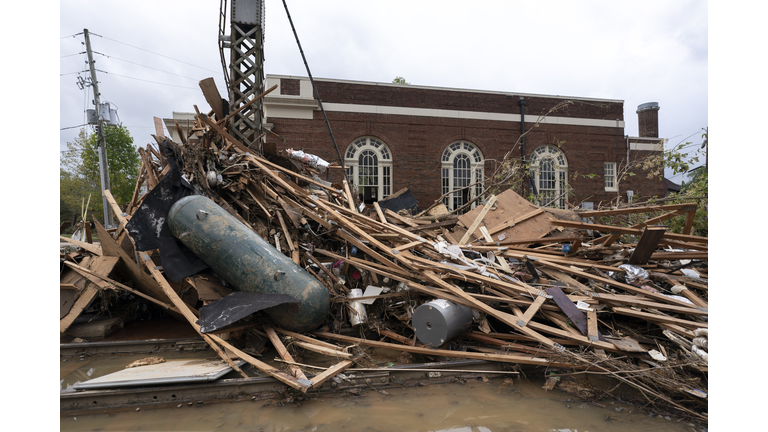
[
  {"x": 690, "y": 273},
  {"x": 634, "y": 272},
  {"x": 309, "y": 159},
  {"x": 657, "y": 355}
]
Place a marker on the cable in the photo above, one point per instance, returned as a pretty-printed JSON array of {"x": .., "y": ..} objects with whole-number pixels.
[
  {"x": 153, "y": 82},
  {"x": 148, "y": 67},
  {"x": 157, "y": 54},
  {"x": 72, "y": 127},
  {"x": 70, "y": 55},
  {"x": 64, "y": 37},
  {"x": 317, "y": 95}
]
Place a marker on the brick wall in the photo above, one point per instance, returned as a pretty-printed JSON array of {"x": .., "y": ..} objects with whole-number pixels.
[{"x": 417, "y": 142}]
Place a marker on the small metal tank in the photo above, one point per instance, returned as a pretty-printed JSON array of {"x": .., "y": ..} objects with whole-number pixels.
[
  {"x": 248, "y": 262},
  {"x": 439, "y": 321}
]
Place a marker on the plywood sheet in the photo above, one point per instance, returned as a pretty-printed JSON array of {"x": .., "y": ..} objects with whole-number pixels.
[{"x": 510, "y": 206}]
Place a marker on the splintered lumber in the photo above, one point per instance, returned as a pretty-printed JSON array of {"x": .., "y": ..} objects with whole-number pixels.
[
  {"x": 622, "y": 230},
  {"x": 648, "y": 243},
  {"x": 284, "y": 354},
  {"x": 213, "y": 340},
  {"x": 536, "y": 361},
  {"x": 331, "y": 372},
  {"x": 524, "y": 219},
  {"x": 660, "y": 318},
  {"x": 101, "y": 265},
  {"x": 92, "y": 248},
  {"x": 479, "y": 218},
  {"x": 212, "y": 96},
  {"x": 105, "y": 283}
]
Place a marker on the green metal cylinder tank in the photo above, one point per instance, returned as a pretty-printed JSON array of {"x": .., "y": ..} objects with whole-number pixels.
[{"x": 248, "y": 262}]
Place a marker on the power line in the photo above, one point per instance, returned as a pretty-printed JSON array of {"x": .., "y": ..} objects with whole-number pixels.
[
  {"x": 70, "y": 55},
  {"x": 153, "y": 82},
  {"x": 157, "y": 54},
  {"x": 76, "y": 34},
  {"x": 72, "y": 127},
  {"x": 148, "y": 67}
]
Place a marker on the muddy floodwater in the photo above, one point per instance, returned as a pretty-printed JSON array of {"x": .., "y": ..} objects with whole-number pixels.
[{"x": 499, "y": 404}]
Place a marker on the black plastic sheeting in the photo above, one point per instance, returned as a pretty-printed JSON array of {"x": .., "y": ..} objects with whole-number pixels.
[
  {"x": 405, "y": 200},
  {"x": 149, "y": 228},
  {"x": 236, "y": 306}
]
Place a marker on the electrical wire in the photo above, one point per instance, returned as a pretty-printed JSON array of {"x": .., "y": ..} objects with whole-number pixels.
[
  {"x": 148, "y": 67},
  {"x": 153, "y": 82},
  {"x": 157, "y": 54}
]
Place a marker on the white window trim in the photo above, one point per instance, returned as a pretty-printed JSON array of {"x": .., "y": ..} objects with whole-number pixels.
[
  {"x": 384, "y": 163},
  {"x": 560, "y": 166},
  {"x": 615, "y": 187},
  {"x": 477, "y": 168}
]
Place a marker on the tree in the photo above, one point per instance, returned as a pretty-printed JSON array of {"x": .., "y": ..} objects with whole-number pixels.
[
  {"x": 79, "y": 172},
  {"x": 400, "y": 80}
]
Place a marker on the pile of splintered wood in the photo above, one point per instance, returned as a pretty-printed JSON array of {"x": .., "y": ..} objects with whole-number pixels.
[{"x": 548, "y": 289}]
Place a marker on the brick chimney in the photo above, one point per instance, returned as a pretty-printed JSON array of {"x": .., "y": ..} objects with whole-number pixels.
[{"x": 648, "y": 120}]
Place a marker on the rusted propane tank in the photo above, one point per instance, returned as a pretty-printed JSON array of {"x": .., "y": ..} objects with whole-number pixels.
[{"x": 248, "y": 262}]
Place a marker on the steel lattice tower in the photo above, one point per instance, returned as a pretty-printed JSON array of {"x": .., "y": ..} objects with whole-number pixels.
[{"x": 247, "y": 70}]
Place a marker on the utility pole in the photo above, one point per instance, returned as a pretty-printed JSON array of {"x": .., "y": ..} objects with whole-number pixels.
[{"x": 103, "y": 165}]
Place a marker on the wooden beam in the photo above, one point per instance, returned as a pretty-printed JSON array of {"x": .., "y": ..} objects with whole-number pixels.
[
  {"x": 447, "y": 353},
  {"x": 92, "y": 248},
  {"x": 478, "y": 219},
  {"x": 158, "y": 127},
  {"x": 633, "y": 210},
  {"x": 647, "y": 244},
  {"x": 284, "y": 354},
  {"x": 213, "y": 340},
  {"x": 212, "y": 96}
]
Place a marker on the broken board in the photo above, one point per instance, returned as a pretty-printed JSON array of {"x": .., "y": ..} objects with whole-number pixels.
[{"x": 510, "y": 207}]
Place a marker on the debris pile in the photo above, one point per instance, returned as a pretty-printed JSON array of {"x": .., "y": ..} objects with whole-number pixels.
[{"x": 507, "y": 282}]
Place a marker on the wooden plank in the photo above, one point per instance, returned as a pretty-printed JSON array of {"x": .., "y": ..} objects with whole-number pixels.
[
  {"x": 574, "y": 314},
  {"x": 660, "y": 318},
  {"x": 486, "y": 208},
  {"x": 213, "y": 97},
  {"x": 159, "y": 127},
  {"x": 510, "y": 205},
  {"x": 447, "y": 353},
  {"x": 533, "y": 308},
  {"x": 350, "y": 198},
  {"x": 512, "y": 222},
  {"x": 111, "y": 248},
  {"x": 213, "y": 340},
  {"x": 322, "y": 350},
  {"x": 331, "y": 372},
  {"x": 379, "y": 212},
  {"x": 648, "y": 243},
  {"x": 284, "y": 354},
  {"x": 633, "y": 210},
  {"x": 101, "y": 265},
  {"x": 107, "y": 283},
  {"x": 92, "y": 248},
  {"x": 622, "y": 230},
  {"x": 592, "y": 331}
]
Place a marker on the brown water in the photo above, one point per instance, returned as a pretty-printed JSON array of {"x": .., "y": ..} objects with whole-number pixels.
[{"x": 519, "y": 404}]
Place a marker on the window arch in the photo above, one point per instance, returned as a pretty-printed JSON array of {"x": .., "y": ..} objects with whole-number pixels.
[
  {"x": 368, "y": 162},
  {"x": 462, "y": 165},
  {"x": 549, "y": 167}
]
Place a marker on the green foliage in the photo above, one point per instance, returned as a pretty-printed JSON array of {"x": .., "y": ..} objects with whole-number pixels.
[
  {"x": 79, "y": 182},
  {"x": 400, "y": 80}
]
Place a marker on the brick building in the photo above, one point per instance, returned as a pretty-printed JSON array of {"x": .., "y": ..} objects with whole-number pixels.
[{"x": 436, "y": 140}]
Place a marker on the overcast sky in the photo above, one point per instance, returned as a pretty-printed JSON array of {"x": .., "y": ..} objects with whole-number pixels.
[{"x": 151, "y": 55}]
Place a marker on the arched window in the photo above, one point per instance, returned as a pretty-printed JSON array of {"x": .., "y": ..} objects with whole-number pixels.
[
  {"x": 550, "y": 170},
  {"x": 462, "y": 166},
  {"x": 369, "y": 166}
]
